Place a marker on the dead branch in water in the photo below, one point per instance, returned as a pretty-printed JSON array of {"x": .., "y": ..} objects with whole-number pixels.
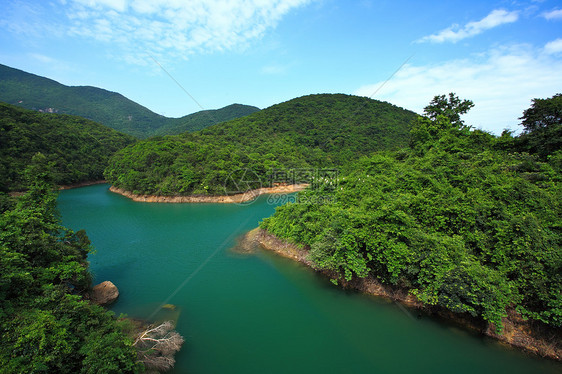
[{"x": 157, "y": 345}]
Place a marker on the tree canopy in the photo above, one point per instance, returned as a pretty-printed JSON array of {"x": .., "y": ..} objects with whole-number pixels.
[
  {"x": 46, "y": 325},
  {"x": 461, "y": 218},
  {"x": 78, "y": 149},
  {"x": 542, "y": 114},
  {"x": 203, "y": 119},
  {"x": 456, "y": 218},
  {"x": 450, "y": 107},
  {"x": 316, "y": 131},
  {"x": 542, "y": 124}
]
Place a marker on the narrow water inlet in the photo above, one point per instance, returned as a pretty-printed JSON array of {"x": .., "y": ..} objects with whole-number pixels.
[{"x": 255, "y": 313}]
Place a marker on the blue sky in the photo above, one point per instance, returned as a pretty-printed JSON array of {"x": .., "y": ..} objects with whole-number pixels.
[{"x": 500, "y": 54}]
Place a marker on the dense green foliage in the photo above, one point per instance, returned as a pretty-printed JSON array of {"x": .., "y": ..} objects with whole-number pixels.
[
  {"x": 543, "y": 127},
  {"x": 45, "y": 324},
  {"x": 542, "y": 114},
  {"x": 109, "y": 108},
  {"x": 311, "y": 131},
  {"x": 205, "y": 118},
  {"x": 457, "y": 218},
  {"x": 78, "y": 148},
  {"x": 450, "y": 107}
]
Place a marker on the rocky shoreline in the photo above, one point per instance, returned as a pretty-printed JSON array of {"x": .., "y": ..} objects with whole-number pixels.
[
  {"x": 226, "y": 199},
  {"x": 516, "y": 332}
]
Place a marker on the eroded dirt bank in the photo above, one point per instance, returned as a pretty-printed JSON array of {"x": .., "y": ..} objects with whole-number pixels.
[
  {"x": 516, "y": 332},
  {"x": 239, "y": 198}
]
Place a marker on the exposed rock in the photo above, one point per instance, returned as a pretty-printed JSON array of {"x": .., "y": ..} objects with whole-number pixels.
[
  {"x": 169, "y": 306},
  {"x": 104, "y": 293},
  {"x": 537, "y": 339},
  {"x": 299, "y": 253},
  {"x": 226, "y": 199}
]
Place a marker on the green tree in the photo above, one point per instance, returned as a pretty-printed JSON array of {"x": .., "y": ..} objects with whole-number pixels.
[
  {"x": 542, "y": 114},
  {"x": 77, "y": 149},
  {"x": 542, "y": 124},
  {"x": 459, "y": 219},
  {"x": 316, "y": 131},
  {"x": 451, "y": 107},
  {"x": 46, "y": 326}
]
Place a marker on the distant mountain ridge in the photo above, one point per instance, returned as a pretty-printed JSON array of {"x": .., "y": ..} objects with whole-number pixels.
[
  {"x": 205, "y": 118},
  {"x": 111, "y": 109}
]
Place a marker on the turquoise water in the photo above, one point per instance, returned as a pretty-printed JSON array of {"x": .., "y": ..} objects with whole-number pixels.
[{"x": 260, "y": 313}]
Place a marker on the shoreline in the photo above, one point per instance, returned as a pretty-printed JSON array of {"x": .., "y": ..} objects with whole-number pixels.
[
  {"x": 517, "y": 333},
  {"x": 223, "y": 199},
  {"x": 80, "y": 184},
  {"x": 61, "y": 187}
]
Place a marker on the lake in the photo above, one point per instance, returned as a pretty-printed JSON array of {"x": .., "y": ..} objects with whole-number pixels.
[{"x": 260, "y": 313}]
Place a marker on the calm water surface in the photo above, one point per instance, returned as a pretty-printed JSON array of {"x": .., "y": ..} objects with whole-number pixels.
[{"x": 260, "y": 313}]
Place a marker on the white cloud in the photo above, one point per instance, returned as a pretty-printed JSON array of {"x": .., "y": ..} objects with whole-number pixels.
[
  {"x": 455, "y": 33},
  {"x": 501, "y": 83},
  {"x": 27, "y": 19},
  {"x": 274, "y": 69},
  {"x": 118, "y": 5},
  {"x": 553, "y": 47},
  {"x": 555, "y": 14},
  {"x": 177, "y": 28},
  {"x": 42, "y": 58}
]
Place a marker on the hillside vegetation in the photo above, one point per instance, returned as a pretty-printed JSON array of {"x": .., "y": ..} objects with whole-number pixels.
[
  {"x": 205, "y": 118},
  {"x": 79, "y": 149},
  {"x": 316, "y": 131},
  {"x": 460, "y": 217},
  {"x": 49, "y": 319},
  {"x": 108, "y": 108},
  {"x": 47, "y": 325}
]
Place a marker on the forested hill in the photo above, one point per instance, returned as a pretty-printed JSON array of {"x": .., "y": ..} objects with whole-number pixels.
[
  {"x": 205, "y": 118},
  {"x": 109, "y": 108},
  {"x": 79, "y": 148},
  {"x": 316, "y": 131},
  {"x": 460, "y": 218}
]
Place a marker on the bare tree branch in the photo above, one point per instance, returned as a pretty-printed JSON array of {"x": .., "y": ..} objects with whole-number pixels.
[{"x": 157, "y": 345}]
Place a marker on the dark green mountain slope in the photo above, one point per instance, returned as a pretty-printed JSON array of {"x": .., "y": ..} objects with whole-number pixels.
[
  {"x": 108, "y": 108},
  {"x": 315, "y": 131},
  {"x": 205, "y": 118},
  {"x": 78, "y": 147}
]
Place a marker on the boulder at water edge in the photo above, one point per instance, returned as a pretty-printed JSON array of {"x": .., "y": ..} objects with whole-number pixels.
[{"x": 104, "y": 293}]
